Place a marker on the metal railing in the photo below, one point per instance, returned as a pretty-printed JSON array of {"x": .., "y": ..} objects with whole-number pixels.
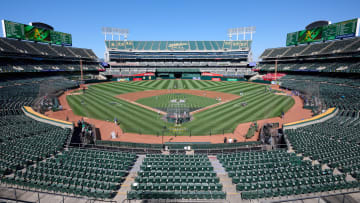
[
  {"x": 14, "y": 194},
  {"x": 342, "y": 198},
  {"x": 249, "y": 148}
]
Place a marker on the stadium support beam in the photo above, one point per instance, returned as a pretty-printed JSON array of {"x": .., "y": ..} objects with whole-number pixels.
[
  {"x": 241, "y": 31},
  {"x": 115, "y": 31}
]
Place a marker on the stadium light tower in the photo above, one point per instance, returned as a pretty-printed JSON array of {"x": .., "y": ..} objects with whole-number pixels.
[
  {"x": 241, "y": 31},
  {"x": 115, "y": 31}
]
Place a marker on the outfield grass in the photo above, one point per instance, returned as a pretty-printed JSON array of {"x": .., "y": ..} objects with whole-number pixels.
[
  {"x": 100, "y": 102},
  {"x": 192, "y": 102}
]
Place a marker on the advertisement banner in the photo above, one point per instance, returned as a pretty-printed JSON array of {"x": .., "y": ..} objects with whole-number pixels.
[
  {"x": 144, "y": 74},
  {"x": 137, "y": 79},
  {"x": 122, "y": 79},
  {"x": 232, "y": 79},
  {"x": 216, "y": 79}
]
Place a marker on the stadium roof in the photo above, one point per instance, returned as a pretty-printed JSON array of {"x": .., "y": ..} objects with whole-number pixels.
[{"x": 236, "y": 45}]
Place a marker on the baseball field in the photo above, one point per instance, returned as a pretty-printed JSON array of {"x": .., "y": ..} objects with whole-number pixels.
[{"x": 250, "y": 102}]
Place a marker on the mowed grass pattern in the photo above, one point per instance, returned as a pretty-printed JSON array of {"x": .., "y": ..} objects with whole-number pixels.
[
  {"x": 100, "y": 102},
  {"x": 192, "y": 102}
]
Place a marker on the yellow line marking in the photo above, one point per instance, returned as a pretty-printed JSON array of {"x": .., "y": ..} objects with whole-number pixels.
[
  {"x": 329, "y": 111},
  {"x": 31, "y": 111}
]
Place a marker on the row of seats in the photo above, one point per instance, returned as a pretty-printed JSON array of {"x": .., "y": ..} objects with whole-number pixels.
[
  {"x": 338, "y": 140},
  {"x": 271, "y": 173},
  {"x": 67, "y": 175},
  {"x": 342, "y": 96},
  {"x": 12, "y": 67},
  {"x": 330, "y": 47},
  {"x": 183, "y": 175},
  {"x": 14, "y": 94},
  {"x": 183, "y": 194},
  {"x": 347, "y": 67},
  {"x": 30, "y": 48},
  {"x": 24, "y": 141},
  {"x": 177, "y": 45}
]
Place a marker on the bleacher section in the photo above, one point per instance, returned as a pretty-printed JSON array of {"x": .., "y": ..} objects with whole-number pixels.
[
  {"x": 22, "y": 56},
  {"x": 83, "y": 172},
  {"x": 279, "y": 173},
  {"x": 334, "y": 142},
  {"x": 34, "y": 155},
  {"x": 176, "y": 177},
  {"x": 331, "y": 56},
  {"x": 338, "y": 138},
  {"x": 215, "y": 55},
  {"x": 39, "y": 49},
  {"x": 14, "y": 94},
  {"x": 333, "y": 92},
  {"x": 24, "y": 141},
  {"x": 177, "y": 45},
  {"x": 338, "y": 46}
]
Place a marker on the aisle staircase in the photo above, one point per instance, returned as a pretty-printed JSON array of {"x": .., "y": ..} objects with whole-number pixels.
[
  {"x": 231, "y": 194},
  {"x": 126, "y": 185}
]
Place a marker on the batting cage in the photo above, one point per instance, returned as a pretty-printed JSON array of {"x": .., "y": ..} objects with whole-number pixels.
[{"x": 178, "y": 111}]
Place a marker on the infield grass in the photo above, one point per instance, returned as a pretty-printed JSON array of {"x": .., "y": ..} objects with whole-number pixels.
[{"x": 192, "y": 102}]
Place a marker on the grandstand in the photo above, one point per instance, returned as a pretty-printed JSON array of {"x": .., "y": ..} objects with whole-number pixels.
[
  {"x": 331, "y": 56},
  {"x": 21, "y": 56},
  {"x": 229, "y": 58}
]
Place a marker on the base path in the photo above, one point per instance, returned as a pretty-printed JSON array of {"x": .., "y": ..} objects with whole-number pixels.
[
  {"x": 133, "y": 96},
  {"x": 295, "y": 113}
]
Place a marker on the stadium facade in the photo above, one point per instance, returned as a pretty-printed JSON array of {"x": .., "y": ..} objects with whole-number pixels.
[
  {"x": 321, "y": 48},
  {"x": 179, "y": 59},
  {"x": 38, "y": 49}
]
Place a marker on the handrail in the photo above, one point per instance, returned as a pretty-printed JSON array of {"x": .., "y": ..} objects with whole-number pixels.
[
  {"x": 252, "y": 148},
  {"x": 48, "y": 193},
  {"x": 311, "y": 197}
]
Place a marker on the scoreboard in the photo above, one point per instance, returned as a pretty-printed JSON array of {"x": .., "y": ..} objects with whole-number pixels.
[
  {"x": 60, "y": 38},
  {"x": 349, "y": 28},
  {"x": 291, "y": 39},
  {"x": 31, "y": 33}
]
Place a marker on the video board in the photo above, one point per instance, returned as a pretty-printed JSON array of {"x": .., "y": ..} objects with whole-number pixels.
[
  {"x": 345, "y": 29},
  {"x": 32, "y": 33}
]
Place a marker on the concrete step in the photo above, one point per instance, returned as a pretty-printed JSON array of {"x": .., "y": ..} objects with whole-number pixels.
[
  {"x": 231, "y": 194},
  {"x": 218, "y": 168},
  {"x": 126, "y": 185},
  {"x": 139, "y": 161}
]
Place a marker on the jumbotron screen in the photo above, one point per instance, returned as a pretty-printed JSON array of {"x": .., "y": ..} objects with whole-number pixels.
[
  {"x": 31, "y": 33},
  {"x": 36, "y": 34},
  {"x": 349, "y": 28}
]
